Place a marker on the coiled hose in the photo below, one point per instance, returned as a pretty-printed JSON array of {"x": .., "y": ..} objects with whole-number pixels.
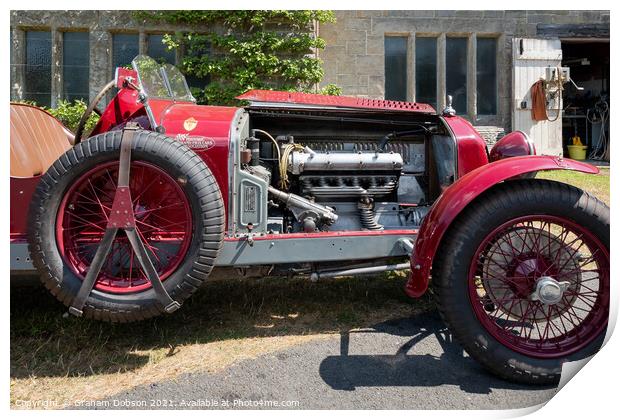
[
  {"x": 283, "y": 162},
  {"x": 600, "y": 113}
]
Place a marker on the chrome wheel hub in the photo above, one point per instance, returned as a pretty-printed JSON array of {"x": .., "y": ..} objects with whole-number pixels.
[{"x": 549, "y": 291}]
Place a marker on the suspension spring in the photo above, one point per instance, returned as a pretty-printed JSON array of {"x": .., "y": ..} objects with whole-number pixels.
[{"x": 367, "y": 215}]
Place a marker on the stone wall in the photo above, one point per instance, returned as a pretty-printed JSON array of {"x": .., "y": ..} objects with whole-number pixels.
[
  {"x": 100, "y": 24},
  {"x": 354, "y": 57}
]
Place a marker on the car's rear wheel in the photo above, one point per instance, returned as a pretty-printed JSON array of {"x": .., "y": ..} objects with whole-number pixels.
[
  {"x": 178, "y": 214},
  {"x": 523, "y": 279}
]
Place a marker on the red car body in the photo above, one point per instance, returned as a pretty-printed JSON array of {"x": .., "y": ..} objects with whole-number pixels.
[{"x": 210, "y": 128}]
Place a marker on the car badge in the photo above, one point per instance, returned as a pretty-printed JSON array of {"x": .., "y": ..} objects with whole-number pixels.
[{"x": 190, "y": 123}]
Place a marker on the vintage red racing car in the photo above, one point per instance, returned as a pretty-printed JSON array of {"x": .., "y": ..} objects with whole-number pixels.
[{"x": 127, "y": 224}]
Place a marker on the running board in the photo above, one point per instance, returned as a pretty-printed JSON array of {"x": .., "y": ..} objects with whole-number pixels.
[{"x": 315, "y": 248}]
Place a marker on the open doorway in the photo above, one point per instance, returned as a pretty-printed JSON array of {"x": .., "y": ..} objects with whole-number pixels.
[{"x": 586, "y": 112}]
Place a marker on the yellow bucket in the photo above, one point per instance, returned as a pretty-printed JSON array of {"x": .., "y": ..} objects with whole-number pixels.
[{"x": 577, "y": 152}]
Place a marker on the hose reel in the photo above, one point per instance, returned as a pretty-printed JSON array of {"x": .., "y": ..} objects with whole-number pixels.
[{"x": 549, "y": 89}]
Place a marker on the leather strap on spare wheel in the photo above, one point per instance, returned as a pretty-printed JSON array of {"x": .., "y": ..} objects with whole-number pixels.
[{"x": 122, "y": 217}]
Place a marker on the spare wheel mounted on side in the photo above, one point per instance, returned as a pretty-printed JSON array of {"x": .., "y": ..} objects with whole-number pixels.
[{"x": 179, "y": 217}]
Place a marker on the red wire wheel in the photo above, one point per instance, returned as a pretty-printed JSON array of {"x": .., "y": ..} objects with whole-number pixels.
[
  {"x": 539, "y": 284},
  {"x": 178, "y": 210},
  {"x": 163, "y": 222}
]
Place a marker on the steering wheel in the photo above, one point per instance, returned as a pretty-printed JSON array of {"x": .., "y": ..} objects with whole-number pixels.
[{"x": 92, "y": 107}]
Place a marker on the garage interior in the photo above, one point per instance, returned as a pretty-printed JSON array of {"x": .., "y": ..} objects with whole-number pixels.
[{"x": 586, "y": 111}]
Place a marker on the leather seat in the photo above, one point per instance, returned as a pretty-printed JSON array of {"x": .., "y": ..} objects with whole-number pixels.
[{"x": 37, "y": 140}]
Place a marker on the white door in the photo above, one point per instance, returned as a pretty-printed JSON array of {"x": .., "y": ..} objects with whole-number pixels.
[{"x": 530, "y": 58}]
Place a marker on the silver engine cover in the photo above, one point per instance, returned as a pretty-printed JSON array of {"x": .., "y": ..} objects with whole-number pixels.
[{"x": 309, "y": 160}]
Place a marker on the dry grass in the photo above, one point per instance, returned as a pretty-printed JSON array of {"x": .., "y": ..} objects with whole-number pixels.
[
  {"x": 68, "y": 359},
  {"x": 598, "y": 185}
]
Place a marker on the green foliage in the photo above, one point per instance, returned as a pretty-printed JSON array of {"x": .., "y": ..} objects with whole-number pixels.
[
  {"x": 331, "y": 89},
  {"x": 247, "y": 49},
  {"x": 70, "y": 113},
  {"x": 25, "y": 102}
]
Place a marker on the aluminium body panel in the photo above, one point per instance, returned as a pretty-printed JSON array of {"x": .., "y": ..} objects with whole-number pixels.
[{"x": 316, "y": 247}]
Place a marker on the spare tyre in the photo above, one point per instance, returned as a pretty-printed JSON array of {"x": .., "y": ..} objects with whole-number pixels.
[{"x": 179, "y": 215}]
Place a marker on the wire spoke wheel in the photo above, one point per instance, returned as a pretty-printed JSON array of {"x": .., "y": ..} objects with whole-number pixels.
[
  {"x": 540, "y": 285},
  {"x": 179, "y": 218},
  {"x": 523, "y": 279},
  {"x": 163, "y": 222}
]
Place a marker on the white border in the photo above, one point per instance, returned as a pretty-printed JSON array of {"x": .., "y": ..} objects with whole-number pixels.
[{"x": 591, "y": 393}]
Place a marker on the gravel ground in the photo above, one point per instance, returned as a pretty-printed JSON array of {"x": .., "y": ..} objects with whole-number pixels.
[{"x": 401, "y": 364}]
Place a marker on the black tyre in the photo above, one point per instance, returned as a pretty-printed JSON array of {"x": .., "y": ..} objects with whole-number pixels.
[
  {"x": 179, "y": 215},
  {"x": 522, "y": 278}
]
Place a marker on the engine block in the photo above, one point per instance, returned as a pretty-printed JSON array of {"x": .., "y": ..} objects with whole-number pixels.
[
  {"x": 331, "y": 187},
  {"x": 346, "y": 175}
]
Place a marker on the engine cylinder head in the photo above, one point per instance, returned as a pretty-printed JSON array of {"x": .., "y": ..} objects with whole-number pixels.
[{"x": 308, "y": 160}]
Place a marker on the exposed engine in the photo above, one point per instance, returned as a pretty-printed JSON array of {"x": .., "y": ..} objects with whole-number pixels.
[
  {"x": 338, "y": 170},
  {"x": 348, "y": 187},
  {"x": 333, "y": 177}
]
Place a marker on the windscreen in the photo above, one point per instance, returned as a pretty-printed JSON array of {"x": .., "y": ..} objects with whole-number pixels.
[
  {"x": 161, "y": 81},
  {"x": 150, "y": 77},
  {"x": 177, "y": 83}
]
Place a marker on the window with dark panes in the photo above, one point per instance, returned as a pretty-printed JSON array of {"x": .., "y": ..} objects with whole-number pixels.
[
  {"x": 456, "y": 73},
  {"x": 426, "y": 70},
  {"x": 486, "y": 75},
  {"x": 75, "y": 65},
  {"x": 14, "y": 69},
  {"x": 124, "y": 50},
  {"x": 396, "y": 68},
  {"x": 158, "y": 51},
  {"x": 38, "y": 68}
]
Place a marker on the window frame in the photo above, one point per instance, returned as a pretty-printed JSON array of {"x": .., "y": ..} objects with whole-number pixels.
[
  {"x": 407, "y": 65},
  {"x": 147, "y": 46},
  {"x": 113, "y": 65},
  {"x": 63, "y": 90},
  {"x": 465, "y": 38},
  {"x": 435, "y": 37},
  {"x": 25, "y": 66},
  {"x": 496, "y": 39}
]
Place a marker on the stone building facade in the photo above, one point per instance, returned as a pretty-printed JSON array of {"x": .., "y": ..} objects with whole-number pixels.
[
  {"x": 355, "y": 56},
  {"x": 410, "y": 55},
  {"x": 101, "y": 31}
]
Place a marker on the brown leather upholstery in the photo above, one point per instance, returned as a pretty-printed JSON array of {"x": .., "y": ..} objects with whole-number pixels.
[{"x": 37, "y": 140}]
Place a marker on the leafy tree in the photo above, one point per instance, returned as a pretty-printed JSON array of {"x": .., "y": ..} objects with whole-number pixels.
[{"x": 231, "y": 52}]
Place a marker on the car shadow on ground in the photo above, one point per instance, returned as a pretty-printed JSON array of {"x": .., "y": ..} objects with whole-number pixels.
[
  {"x": 440, "y": 361},
  {"x": 47, "y": 342},
  {"x": 44, "y": 343}
]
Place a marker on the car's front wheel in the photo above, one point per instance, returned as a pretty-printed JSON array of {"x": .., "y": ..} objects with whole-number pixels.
[{"x": 523, "y": 279}]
